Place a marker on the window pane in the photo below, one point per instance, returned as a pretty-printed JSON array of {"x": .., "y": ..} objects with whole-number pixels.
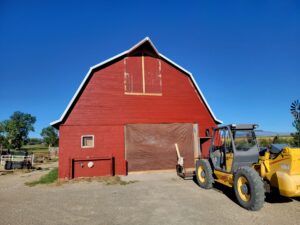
[
  {"x": 222, "y": 138},
  {"x": 88, "y": 141},
  {"x": 244, "y": 140}
]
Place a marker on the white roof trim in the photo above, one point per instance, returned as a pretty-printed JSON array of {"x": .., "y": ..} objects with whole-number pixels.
[
  {"x": 196, "y": 85},
  {"x": 142, "y": 42},
  {"x": 120, "y": 55}
]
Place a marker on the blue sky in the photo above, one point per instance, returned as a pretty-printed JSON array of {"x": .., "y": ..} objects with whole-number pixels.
[{"x": 244, "y": 54}]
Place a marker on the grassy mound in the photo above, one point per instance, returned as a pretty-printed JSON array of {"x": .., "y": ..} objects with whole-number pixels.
[{"x": 49, "y": 178}]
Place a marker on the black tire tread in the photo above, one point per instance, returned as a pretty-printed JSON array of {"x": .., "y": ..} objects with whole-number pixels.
[
  {"x": 256, "y": 187},
  {"x": 208, "y": 171}
]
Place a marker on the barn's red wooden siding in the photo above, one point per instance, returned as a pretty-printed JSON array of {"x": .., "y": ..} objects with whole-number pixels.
[
  {"x": 103, "y": 109},
  {"x": 108, "y": 142}
]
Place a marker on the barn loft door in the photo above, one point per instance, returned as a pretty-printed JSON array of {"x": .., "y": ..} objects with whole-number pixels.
[
  {"x": 142, "y": 75},
  {"x": 152, "y": 146},
  {"x": 133, "y": 78}
]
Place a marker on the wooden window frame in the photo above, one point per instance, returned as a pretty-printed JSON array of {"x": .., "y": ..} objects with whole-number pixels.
[{"x": 87, "y": 135}]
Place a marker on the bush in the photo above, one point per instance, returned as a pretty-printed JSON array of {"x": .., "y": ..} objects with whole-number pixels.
[
  {"x": 267, "y": 141},
  {"x": 264, "y": 142}
]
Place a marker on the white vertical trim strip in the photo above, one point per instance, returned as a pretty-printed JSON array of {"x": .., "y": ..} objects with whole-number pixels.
[{"x": 143, "y": 73}]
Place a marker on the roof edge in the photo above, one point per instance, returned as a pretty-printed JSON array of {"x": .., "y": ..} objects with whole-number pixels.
[
  {"x": 196, "y": 85},
  {"x": 62, "y": 117}
]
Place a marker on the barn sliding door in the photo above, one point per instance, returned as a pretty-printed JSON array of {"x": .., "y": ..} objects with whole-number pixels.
[{"x": 152, "y": 146}]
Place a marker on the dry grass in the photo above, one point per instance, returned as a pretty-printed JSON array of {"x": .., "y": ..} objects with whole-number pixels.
[
  {"x": 52, "y": 178},
  {"x": 38, "y": 148},
  {"x": 115, "y": 180},
  {"x": 267, "y": 141}
]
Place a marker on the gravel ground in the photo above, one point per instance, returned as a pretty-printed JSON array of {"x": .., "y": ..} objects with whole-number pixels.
[{"x": 161, "y": 198}]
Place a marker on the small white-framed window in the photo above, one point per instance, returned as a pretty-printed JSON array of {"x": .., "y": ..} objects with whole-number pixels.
[{"x": 87, "y": 141}]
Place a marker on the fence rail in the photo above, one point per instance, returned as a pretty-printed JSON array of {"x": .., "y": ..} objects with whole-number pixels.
[
  {"x": 16, "y": 158},
  {"x": 53, "y": 152}
]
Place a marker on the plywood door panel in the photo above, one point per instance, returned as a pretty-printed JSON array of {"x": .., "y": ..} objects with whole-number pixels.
[
  {"x": 133, "y": 76},
  {"x": 153, "y": 82},
  {"x": 152, "y": 146}
]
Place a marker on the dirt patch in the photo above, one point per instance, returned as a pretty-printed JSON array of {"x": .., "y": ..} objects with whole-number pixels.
[
  {"x": 161, "y": 198},
  {"x": 116, "y": 180}
]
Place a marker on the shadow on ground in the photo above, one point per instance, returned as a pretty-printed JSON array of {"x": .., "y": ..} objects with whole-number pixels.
[
  {"x": 297, "y": 199},
  {"x": 273, "y": 197},
  {"x": 223, "y": 189}
]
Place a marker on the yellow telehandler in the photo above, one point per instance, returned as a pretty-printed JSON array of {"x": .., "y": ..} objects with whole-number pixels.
[{"x": 235, "y": 161}]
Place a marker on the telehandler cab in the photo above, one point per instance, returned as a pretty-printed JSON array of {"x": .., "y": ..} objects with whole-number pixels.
[{"x": 235, "y": 161}]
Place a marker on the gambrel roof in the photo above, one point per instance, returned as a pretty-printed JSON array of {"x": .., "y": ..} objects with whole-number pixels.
[{"x": 117, "y": 57}]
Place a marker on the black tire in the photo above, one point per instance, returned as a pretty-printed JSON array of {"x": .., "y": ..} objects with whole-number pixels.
[
  {"x": 249, "y": 189},
  {"x": 204, "y": 174},
  {"x": 8, "y": 165}
]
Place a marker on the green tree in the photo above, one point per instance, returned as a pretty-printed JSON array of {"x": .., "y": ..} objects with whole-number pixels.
[
  {"x": 3, "y": 140},
  {"x": 35, "y": 141},
  {"x": 17, "y": 128},
  {"x": 50, "y": 136}
]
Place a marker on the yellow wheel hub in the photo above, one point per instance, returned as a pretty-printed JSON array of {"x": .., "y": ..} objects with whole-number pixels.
[
  {"x": 243, "y": 189},
  {"x": 201, "y": 174}
]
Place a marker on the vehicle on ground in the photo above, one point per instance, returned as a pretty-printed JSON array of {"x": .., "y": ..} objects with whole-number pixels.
[{"x": 235, "y": 161}]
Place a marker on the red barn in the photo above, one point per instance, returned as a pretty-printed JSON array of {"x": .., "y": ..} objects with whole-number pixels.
[{"x": 129, "y": 112}]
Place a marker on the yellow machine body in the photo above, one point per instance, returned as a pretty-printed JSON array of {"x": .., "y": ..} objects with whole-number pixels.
[
  {"x": 282, "y": 172},
  {"x": 224, "y": 178}
]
